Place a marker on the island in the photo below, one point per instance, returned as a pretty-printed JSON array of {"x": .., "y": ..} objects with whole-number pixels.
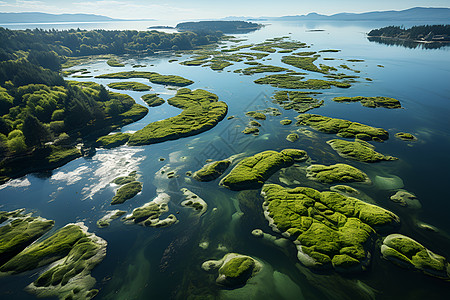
[
  {"x": 223, "y": 26},
  {"x": 429, "y": 36}
]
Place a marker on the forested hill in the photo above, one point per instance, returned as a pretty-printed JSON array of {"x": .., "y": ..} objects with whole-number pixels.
[
  {"x": 425, "y": 32},
  {"x": 222, "y": 26},
  {"x": 45, "y": 43},
  {"x": 42, "y": 116}
]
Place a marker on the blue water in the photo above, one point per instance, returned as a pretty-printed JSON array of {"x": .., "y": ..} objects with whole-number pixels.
[{"x": 143, "y": 263}]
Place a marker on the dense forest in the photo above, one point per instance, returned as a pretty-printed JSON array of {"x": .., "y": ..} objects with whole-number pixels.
[
  {"x": 49, "y": 47},
  {"x": 222, "y": 26},
  {"x": 425, "y": 32}
]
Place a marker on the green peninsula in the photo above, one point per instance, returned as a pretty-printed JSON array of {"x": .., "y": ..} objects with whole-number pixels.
[
  {"x": 342, "y": 128},
  {"x": 371, "y": 102},
  {"x": 151, "y": 76},
  {"x": 329, "y": 229},
  {"x": 201, "y": 112},
  {"x": 253, "y": 171}
]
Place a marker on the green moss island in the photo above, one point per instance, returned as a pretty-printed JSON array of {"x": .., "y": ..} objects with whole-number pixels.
[
  {"x": 72, "y": 253},
  {"x": 301, "y": 102},
  {"x": 330, "y": 230},
  {"x": 408, "y": 253},
  {"x": 130, "y": 85},
  {"x": 342, "y": 128},
  {"x": 253, "y": 171},
  {"x": 114, "y": 63},
  {"x": 153, "y": 77},
  {"x": 234, "y": 270},
  {"x": 153, "y": 100},
  {"x": 212, "y": 170},
  {"x": 295, "y": 81},
  {"x": 371, "y": 102},
  {"x": 201, "y": 112},
  {"x": 358, "y": 150},
  {"x": 336, "y": 174},
  {"x": 149, "y": 214}
]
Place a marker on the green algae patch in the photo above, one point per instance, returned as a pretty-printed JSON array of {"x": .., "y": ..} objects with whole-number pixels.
[
  {"x": 201, "y": 112},
  {"x": 212, "y": 170},
  {"x": 336, "y": 173},
  {"x": 21, "y": 231},
  {"x": 304, "y": 63},
  {"x": 149, "y": 214},
  {"x": 342, "y": 128},
  {"x": 329, "y": 229},
  {"x": 113, "y": 140},
  {"x": 109, "y": 217},
  {"x": 130, "y": 86},
  {"x": 295, "y": 81},
  {"x": 252, "y": 172},
  {"x": 358, "y": 150},
  {"x": 292, "y": 137},
  {"x": 256, "y": 115},
  {"x": 72, "y": 253},
  {"x": 404, "y": 136},
  {"x": 153, "y": 77},
  {"x": 153, "y": 100},
  {"x": 126, "y": 192},
  {"x": 112, "y": 62},
  {"x": 406, "y": 252},
  {"x": 234, "y": 269},
  {"x": 299, "y": 101},
  {"x": 371, "y": 102}
]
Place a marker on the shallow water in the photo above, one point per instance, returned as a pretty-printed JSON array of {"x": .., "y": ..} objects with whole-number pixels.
[{"x": 143, "y": 263}]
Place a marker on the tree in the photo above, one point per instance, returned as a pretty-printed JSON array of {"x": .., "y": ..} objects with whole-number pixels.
[{"x": 34, "y": 131}]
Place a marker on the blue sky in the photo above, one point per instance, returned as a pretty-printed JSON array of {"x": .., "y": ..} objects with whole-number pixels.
[{"x": 197, "y": 9}]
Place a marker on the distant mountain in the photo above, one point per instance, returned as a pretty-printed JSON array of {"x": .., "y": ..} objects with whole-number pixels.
[
  {"x": 412, "y": 14},
  {"x": 37, "y": 17}
]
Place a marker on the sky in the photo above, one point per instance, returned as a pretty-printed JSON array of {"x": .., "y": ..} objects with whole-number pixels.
[{"x": 198, "y": 9}]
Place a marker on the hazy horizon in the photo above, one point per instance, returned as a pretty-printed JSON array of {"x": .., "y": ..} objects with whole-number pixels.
[{"x": 198, "y": 9}]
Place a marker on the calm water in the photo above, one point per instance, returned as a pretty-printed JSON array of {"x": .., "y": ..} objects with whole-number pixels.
[{"x": 144, "y": 263}]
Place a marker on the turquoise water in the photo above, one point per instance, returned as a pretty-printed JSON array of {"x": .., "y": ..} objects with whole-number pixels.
[{"x": 143, "y": 263}]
